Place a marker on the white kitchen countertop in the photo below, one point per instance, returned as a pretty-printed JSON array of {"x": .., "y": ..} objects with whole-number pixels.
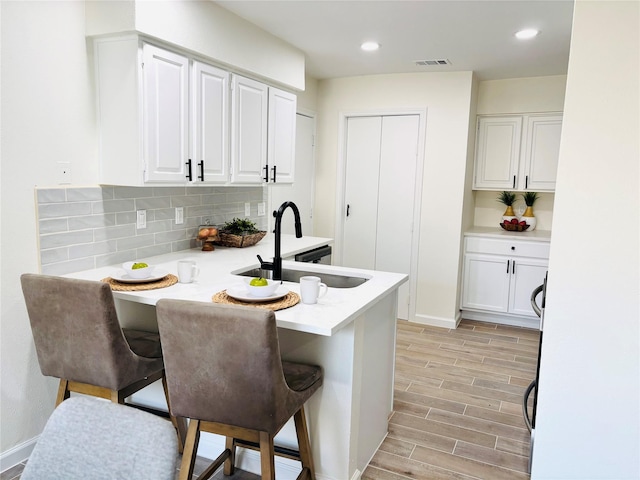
[
  {"x": 498, "y": 232},
  {"x": 332, "y": 312}
]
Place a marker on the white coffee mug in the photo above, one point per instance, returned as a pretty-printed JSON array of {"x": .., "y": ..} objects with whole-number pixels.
[
  {"x": 187, "y": 271},
  {"x": 311, "y": 288}
]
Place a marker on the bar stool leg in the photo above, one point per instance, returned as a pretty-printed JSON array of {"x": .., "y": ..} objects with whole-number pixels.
[
  {"x": 267, "y": 453},
  {"x": 190, "y": 450},
  {"x": 304, "y": 445}
]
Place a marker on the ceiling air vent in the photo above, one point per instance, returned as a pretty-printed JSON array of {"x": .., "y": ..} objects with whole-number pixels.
[{"x": 429, "y": 63}]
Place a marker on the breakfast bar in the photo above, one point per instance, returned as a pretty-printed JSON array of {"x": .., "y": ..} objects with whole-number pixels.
[{"x": 350, "y": 332}]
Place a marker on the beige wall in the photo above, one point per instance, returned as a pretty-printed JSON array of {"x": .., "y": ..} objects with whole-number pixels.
[
  {"x": 447, "y": 98},
  {"x": 308, "y": 100},
  {"x": 205, "y": 28},
  {"x": 588, "y": 417},
  {"x": 47, "y": 116},
  {"x": 518, "y": 95}
]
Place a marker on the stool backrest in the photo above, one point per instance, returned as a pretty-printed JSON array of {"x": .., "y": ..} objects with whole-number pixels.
[
  {"x": 76, "y": 331},
  {"x": 223, "y": 364}
]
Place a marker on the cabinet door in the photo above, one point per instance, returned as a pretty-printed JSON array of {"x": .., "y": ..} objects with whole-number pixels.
[
  {"x": 486, "y": 282},
  {"x": 210, "y": 124},
  {"x": 165, "y": 115},
  {"x": 282, "y": 136},
  {"x": 248, "y": 131},
  {"x": 541, "y": 152},
  {"x": 526, "y": 275},
  {"x": 497, "y": 152}
]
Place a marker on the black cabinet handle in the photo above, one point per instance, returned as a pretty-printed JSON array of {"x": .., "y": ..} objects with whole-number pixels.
[
  {"x": 513, "y": 267},
  {"x": 514, "y": 181},
  {"x": 526, "y": 182},
  {"x": 273, "y": 169},
  {"x": 189, "y": 176},
  {"x": 201, "y": 176},
  {"x": 266, "y": 173},
  {"x": 508, "y": 265},
  {"x": 348, "y": 208}
]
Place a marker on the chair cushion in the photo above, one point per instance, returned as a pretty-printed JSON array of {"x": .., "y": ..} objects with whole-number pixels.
[
  {"x": 300, "y": 377},
  {"x": 145, "y": 344}
]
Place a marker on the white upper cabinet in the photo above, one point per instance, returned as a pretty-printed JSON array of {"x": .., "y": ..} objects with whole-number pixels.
[
  {"x": 517, "y": 152},
  {"x": 541, "y": 152},
  {"x": 168, "y": 118},
  {"x": 165, "y": 115},
  {"x": 210, "y": 151},
  {"x": 497, "y": 152},
  {"x": 282, "y": 136},
  {"x": 263, "y": 133},
  {"x": 249, "y": 131}
]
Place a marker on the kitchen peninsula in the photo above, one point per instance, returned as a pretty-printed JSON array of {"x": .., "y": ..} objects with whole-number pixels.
[{"x": 350, "y": 332}]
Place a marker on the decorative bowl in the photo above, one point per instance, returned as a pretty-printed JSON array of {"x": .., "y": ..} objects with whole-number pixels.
[
  {"x": 514, "y": 227},
  {"x": 264, "y": 290},
  {"x": 138, "y": 273}
]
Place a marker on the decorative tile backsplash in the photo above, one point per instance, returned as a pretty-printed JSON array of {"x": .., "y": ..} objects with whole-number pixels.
[{"x": 81, "y": 228}]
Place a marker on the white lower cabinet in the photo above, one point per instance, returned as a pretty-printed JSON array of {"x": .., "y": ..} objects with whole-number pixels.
[{"x": 499, "y": 276}]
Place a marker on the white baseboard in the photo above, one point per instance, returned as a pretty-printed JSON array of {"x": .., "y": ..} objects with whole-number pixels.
[
  {"x": 513, "y": 320},
  {"x": 432, "y": 321},
  {"x": 17, "y": 454}
]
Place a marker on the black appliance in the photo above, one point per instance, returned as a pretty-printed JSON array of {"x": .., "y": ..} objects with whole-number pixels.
[
  {"x": 317, "y": 255},
  {"x": 530, "y": 420}
]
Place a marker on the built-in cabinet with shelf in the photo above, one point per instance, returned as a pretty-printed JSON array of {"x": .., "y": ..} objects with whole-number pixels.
[
  {"x": 517, "y": 152},
  {"x": 498, "y": 277},
  {"x": 172, "y": 119}
]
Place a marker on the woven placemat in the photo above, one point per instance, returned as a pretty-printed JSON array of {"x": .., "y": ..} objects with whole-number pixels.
[
  {"x": 289, "y": 300},
  {"x": 137, "y": 287}
]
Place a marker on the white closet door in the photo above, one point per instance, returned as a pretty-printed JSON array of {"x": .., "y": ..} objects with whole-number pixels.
[
  {"x": 396, "y": 196},
  {"x": 361, "y": 192},
  {"x": 381, "y": 165}
]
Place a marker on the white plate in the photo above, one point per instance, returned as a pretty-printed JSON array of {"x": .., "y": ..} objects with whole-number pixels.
[
  {"x": 239, "y": 292},
  {"x": 123, "y": 277}
]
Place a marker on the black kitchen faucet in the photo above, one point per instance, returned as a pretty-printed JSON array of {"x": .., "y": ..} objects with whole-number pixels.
[{"x": 276, "y": 265}]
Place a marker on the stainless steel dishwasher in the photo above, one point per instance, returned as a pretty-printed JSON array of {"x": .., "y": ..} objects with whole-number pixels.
[{"x": 320, "y": 255}]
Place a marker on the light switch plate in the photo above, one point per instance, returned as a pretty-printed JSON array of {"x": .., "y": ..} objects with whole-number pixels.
[
  {"x": 261, "y": 209},
  {"x": 179, "y": 215},
  {"x": 247, "y": 209}
]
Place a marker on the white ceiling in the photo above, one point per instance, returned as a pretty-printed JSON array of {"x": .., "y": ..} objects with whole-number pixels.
[{"x": 473, "y": 35}]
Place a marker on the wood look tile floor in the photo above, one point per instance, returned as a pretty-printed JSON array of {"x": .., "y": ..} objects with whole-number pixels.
[
  {"x": 457, "y": 407},
  {"x": 458, "y": 404}
]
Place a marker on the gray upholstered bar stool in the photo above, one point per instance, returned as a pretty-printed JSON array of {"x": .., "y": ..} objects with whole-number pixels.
[
  {"x": 79, "y": 340},
  {"x": 225, "y": 373}
]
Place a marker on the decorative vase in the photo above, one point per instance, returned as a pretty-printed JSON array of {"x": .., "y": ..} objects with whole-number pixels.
[
  {"x": 509, "y": 214},
  {"x": 529, "y": 218}
]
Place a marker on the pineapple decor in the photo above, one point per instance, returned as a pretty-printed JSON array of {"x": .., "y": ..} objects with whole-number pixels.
[
  {"x": 529, "y": 199},
  {"x": 508, "y": 198}
]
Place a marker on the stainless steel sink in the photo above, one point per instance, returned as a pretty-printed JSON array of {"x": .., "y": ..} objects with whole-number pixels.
[{"x": 288, "y": 275}]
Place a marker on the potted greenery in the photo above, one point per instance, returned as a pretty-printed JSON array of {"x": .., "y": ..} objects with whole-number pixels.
[
  {"x": 529, "y": 199},
  {"x": 507, "y": 198},
  {"x": 239, "y": 232}
]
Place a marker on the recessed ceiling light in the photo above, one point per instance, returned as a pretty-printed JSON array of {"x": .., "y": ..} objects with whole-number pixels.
[
  {"x": 370, "y": 46},
  {"x": 527, "y": 33}
]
